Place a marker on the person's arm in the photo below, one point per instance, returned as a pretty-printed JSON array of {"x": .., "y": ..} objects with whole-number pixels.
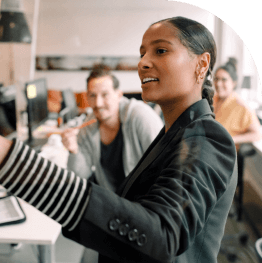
[
  {"x": 5, "y": 147},
  {"x": 252, "y": 134},
  {"x": 54, "y": 191}
]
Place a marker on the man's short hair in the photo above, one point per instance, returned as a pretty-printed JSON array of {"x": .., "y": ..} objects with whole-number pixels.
[{"x": 102, "y": 70}]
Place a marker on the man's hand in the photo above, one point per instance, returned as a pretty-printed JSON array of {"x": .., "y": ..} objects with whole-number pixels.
[
  {"x": 5, "y": 145},
  {"x": 69, "y": 139}
]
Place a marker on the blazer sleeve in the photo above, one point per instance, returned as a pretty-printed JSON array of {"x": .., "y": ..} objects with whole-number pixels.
[{"x": 161, "y": 224}]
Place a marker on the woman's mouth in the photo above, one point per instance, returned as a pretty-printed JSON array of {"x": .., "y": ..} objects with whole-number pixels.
[{"x": 146, "y": 80}]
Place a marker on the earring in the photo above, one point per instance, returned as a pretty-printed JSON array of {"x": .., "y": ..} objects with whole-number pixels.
[{"x": 199, "y": 76}]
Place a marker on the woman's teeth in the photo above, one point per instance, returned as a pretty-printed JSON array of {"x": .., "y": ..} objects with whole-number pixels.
[{"x": 145, "y": 80}]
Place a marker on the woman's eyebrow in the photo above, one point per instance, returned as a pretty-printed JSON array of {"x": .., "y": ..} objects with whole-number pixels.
[{"x": 156, "y": 42}]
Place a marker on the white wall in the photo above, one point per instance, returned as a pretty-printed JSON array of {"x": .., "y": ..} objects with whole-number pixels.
[
  {"x": 231, "y": 45},
  {"x": 74, "y": 30},
  {"x": 88, "y": 28}
]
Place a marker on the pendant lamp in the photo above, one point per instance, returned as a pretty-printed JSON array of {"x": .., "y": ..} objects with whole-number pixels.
[{"x": 13, "y": 25}]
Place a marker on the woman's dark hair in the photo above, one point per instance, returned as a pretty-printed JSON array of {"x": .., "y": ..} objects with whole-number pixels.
[
  {"x": 230, "y": 67},
  {"x": 198, "y": 40},
  {"x": 102, "y": 70}
]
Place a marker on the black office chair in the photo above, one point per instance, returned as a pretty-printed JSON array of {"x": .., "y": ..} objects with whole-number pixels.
[
  {"x": 236, "y": 247},
  {"x": 245, "y": 150}
]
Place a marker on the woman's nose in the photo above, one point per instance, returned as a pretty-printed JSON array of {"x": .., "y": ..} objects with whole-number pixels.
[{"x": 145, "y": 62}]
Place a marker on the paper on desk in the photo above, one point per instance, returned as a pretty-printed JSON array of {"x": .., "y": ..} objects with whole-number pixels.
[{"x": 55, "y": 151}]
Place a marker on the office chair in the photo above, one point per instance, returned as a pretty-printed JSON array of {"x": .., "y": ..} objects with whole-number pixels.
[
  {"x": 236, "y": 247},
  {"x": 69, "y": 103},
  {"x": 245, "y": 150}
]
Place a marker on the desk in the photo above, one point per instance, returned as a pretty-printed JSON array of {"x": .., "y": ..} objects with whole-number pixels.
[
  {"x": 38, "y": 229},
  {"x": 258, "y": 146}
]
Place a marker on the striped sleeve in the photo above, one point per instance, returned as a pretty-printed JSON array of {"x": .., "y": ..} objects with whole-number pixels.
[{"x": 56, "y": 192}]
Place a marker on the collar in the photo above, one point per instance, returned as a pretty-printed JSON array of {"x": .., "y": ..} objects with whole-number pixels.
[{"x": 194, "y": 112}]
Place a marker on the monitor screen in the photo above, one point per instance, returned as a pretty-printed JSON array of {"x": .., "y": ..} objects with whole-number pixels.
[
  {"x": 36, "y": 94},
  {"x": 7, "y": 110},
  {"x": 136, "y": 95}
]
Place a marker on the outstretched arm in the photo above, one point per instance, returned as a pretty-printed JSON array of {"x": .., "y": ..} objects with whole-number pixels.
[
  {"x": 54, "y": 191},
  {"x": 5, "y": 147}
]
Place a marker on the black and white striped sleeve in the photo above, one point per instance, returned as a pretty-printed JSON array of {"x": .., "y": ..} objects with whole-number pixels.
[{"x": 56, "y": 192}]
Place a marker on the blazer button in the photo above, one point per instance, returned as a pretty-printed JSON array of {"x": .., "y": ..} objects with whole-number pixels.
[
  {"x": 133, "y": 234},
  {"x": 141, "y": 240},
  {"x": 114, "y": 224},
  {"x": 123, "y": 229}
]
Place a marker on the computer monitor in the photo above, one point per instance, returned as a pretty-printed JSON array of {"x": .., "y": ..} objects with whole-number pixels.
[
  {"x": 136, "y": 95},
  {"x": 36, "y": 95},
  {"x": 7, "y": 110}
]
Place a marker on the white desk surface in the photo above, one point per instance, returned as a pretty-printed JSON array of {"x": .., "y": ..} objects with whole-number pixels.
[
  {"x": 37, "y": 229},
  {"x": 258, "y": 145}
]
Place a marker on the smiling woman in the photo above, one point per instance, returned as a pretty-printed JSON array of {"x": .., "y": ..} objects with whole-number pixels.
[
  {"x": 170, "y": 54},
  {"x": 231, "y": 110},
  {"x": 173, "y": 206}
]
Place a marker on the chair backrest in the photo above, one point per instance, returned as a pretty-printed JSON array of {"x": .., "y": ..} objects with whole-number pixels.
[
  {"x": 69, "y": 102},
  {"x": 258, "y": 247}
]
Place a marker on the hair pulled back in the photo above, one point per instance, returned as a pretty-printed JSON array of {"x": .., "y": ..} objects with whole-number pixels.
[
  {"x": 231, "y": 68},
  {"x": 198, "y": 40},
  {"x": 102, "y": 70}
]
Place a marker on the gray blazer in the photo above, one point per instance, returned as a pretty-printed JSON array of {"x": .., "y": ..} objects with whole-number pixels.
[{"x": 174, "y": 204}]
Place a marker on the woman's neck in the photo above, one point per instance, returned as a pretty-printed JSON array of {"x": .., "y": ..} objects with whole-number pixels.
[{"x": 171, "y": 111}]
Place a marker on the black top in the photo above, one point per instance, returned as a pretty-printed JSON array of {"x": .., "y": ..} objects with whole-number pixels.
[{"x": 112, "y": 161}]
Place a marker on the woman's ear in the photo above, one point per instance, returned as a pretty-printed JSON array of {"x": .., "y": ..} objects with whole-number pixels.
[{"x": 203, "y": 63}]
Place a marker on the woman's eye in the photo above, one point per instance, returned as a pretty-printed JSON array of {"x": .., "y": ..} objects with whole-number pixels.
[
  {"x": 161, "y": 51},
  {"x": 141, "y": 55}
]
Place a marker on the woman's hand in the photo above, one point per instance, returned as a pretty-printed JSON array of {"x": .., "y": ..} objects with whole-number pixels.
[{"x": 5, "y": 146}]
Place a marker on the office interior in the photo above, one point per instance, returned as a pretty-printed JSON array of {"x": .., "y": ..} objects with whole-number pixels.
[{"x": 69, "y": 37}]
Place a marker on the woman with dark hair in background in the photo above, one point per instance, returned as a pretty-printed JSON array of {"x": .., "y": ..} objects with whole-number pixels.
[
  {"x": 174, "y": 204},
  {"x": 237, "y": 117},
  {"x": 230, "y": 109}
]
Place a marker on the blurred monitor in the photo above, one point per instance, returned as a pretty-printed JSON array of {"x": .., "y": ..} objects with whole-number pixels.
[
  {"x": 131, "y": 95},
  {"x": 7, "y": 110},
  {"x": 36, "y": 95}
]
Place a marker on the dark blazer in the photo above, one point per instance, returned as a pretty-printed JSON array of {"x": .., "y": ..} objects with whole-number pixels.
[{"x": 174, "y": 205}]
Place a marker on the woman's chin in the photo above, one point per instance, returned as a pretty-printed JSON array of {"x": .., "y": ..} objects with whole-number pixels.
[{"x": 147, "y": 97}]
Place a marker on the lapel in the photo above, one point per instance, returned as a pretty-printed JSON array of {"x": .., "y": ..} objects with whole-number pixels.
[
  {"x": 195, "y": 111},
  {"x": 156, "y": 148}
]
